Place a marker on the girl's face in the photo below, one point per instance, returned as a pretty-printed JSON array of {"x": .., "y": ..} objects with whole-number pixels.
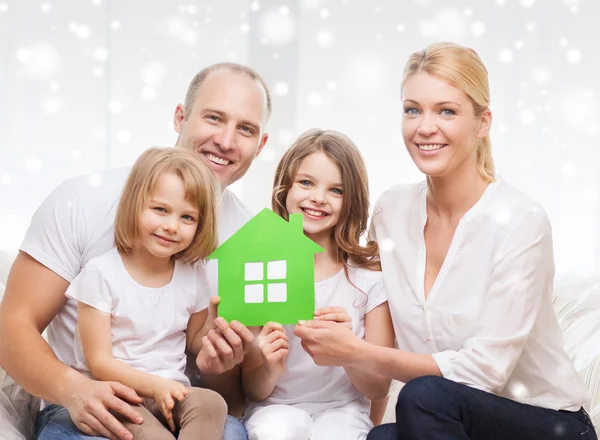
[
  {"x": 168, "y": 221},
  {"x": 439, "y": 127},
  {"x": 316, "y": 193}
]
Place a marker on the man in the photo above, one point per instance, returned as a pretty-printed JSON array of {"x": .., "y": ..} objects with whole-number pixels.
[{"x": 223, "y": 120}]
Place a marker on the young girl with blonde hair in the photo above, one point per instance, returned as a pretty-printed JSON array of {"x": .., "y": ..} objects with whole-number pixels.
[
  {"x": 143, "y": 303},
  {"x": 323, "y": 177}
]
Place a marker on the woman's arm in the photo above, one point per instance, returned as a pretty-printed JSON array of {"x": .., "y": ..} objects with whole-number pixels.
[
  {"x": 329, "y": 343},
  {"x": 521, "y": 275},
  {"x": 378, "y": 331},
  {"x": 95, "y": 333},
  {"x": 265, "y": 362}
]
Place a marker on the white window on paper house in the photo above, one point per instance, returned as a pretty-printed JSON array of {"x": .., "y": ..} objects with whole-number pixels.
[{"x": 273, "y": 282}]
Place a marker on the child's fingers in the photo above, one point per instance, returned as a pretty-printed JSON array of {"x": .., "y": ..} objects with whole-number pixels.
[
  {"x": 275, "y": 336},
  {"x": 166, "y": 406},
  {"x": 278, "y": 356},
  {"x": 177, "y": 395},
  {"x": 276, "y": 345},
  {"x": 270, "y": 327}
]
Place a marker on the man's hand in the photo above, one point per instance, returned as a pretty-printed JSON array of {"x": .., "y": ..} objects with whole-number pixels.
[
  {"x": 90, "y": 404},
  {"x": 273, "y": 344},
  {"x": 335, "y": 314},
  {"x": 225, "y": 344},
  {"x": 328, "y": 343}
]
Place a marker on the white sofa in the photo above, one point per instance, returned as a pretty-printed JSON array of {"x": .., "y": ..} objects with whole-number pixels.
[{"x": 576, "y": 301}]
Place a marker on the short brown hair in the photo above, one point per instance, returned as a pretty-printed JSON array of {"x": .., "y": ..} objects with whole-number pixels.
[
  {"x": 201, "y": 189},
  {"x": 199, "y": 78},
  {"x": 354, "y": 215}
]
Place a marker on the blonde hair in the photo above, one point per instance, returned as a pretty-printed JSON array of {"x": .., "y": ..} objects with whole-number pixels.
[
  {"x": 199, "y": 78},
  {"x": 201, "y": 189},
  {"x": 354, "y": 214},
  {"x": 461, "y": 67}
]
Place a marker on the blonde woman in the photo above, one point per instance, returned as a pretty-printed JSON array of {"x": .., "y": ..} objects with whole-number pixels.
[
  {"x": 469, "y": 269},
  {"x": 143, "y": 303}
]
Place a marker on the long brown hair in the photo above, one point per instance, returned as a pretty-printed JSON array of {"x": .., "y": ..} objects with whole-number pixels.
[
  {"x": 461, "y": 67},
  {"x": 354, "y": 215},
  {"x": 201, "y": 189}
]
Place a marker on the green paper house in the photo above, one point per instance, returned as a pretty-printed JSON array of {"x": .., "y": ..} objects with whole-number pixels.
[{"x": 266, "y": 271}]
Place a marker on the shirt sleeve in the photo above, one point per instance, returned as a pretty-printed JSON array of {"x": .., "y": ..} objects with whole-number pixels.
[
  {"x": 203, "y": 287},
  {"x": 522, "y": 274},
  {"x": 91, "y": 288},
  {"x": 376, "y": 295},
  {"x": 53, "y": 235}
]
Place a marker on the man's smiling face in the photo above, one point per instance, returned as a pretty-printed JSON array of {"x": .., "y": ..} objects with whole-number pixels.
[{"x": 225, "y": 124}]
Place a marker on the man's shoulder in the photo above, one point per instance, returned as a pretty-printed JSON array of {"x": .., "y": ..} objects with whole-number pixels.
[{"x": 232, "y": 205}]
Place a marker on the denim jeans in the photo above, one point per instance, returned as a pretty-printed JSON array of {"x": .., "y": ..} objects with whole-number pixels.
[
  {"x": 434, "y": 408},
  {"x": 54, "y": 423}
]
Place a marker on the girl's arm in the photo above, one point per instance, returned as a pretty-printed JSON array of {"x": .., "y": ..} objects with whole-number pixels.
[
  {"x": 95, "y": 333},
  {"x": 265, "y": 362},
  {"x": 378, "y": 331}
]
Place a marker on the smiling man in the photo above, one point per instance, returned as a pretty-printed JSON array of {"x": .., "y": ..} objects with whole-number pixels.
[{"x": 223, "y": 119}]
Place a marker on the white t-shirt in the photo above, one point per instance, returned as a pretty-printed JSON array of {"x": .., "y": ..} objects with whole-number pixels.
[
  {"x": 488, "y": 320},
  {"x": 313, "y": 388},
  {"x": 76, "y": 223},
  {"x": 148, "y": 325}
]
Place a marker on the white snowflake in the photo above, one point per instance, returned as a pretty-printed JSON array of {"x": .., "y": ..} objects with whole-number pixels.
[
  {"x": 527, "y": 117},
  {"x": 478, "y": 28},
  {"x": 574, "y": 56},
  {"x": 447, "y": 24},
  {"x": 153, "y": 73},
  {"x": 505, "y": 55},
  {"x": 569, "y": 170},
  {"x": 123, "y": 136},
  {"x": 52, "y": 105},
  {"x": 277, "y": 26},
  {"x": 148, "y": 94},
  {"x": 40, "y": 60},
  {"x": 101, "y": 54},
  {"x": 541, "y": 75},
  {"x": 33, "y": 163},
  {"x": 324, "y": 38},
  {"x": 281, "y": 88},
  {"x": 527, "y": 3},
  {"x": 314, "y": 99},
  {"x": 46, "y": 7},
  {"x": 115, "y": 106},
  {"x": 6, "y": 179}
]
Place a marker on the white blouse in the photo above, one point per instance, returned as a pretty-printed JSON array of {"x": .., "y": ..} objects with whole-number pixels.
[{"x": 488, "y": 320}]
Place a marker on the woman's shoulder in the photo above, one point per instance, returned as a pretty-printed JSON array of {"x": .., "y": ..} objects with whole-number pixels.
[{"x": 512, "y": 203}]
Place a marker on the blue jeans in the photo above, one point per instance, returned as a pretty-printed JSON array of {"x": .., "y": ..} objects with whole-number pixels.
[
  {"x": 434, "y": 408},
  {"x": 54, "y": 423}
]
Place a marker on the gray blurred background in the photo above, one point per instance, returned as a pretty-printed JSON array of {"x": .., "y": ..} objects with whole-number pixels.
[{"x": 89, "y": 84}]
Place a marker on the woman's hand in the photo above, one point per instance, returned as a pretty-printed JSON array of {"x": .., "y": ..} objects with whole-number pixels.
[
  {"x": 335, "y": 314},
  {"x": 328, "y": 342},
  {"x": 165, "y": 392}
]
